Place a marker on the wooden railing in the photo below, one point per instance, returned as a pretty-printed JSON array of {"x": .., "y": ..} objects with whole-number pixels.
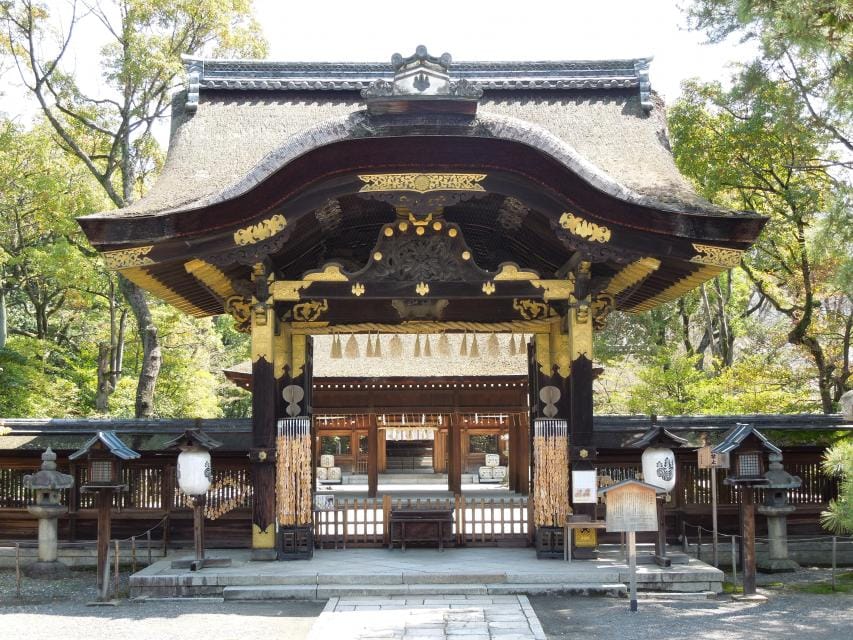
[{"x": 363, "y": 522}]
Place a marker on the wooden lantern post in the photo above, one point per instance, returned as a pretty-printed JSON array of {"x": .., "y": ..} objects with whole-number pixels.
[
  {"x": 631, "y": 507},
  {"x": 660, "y": 470},
  {"x": 194, "y": 477},
  {"x": 747, "y": 448},
  {"x": 105, "y": 454}
]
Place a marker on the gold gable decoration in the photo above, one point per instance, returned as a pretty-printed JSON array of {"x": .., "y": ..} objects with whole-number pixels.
[
  {"x": 261, "y": 231},
  {"x": 717, "y": 256},
  {"x": 584, "y": 228},
  {"x": 124, "y": 258},
  {"x": 422, "y": 182}
]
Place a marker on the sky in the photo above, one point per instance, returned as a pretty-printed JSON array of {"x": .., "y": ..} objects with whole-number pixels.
[{"x": 372, "y": 30}]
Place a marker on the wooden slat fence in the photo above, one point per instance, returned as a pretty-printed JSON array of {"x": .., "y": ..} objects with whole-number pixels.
[{"x": 362, "y": 522}]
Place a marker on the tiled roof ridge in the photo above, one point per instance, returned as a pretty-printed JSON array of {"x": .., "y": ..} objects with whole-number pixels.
[{"x": 250, "y": 75}]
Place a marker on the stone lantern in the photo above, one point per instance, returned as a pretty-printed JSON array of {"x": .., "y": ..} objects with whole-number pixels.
[
  {"x": 777, "y": 509},
  {"x": 46, "y": 484}
]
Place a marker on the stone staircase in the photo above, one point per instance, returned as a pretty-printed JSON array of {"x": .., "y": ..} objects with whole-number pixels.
[{"x": 417, "y": 572}]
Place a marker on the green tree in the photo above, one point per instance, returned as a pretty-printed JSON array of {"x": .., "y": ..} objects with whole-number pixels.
[
  {"x": 838, "y": 462},
  {"x": 753, "y": 147},
  {"x": 112, "y": 134},
  {"x": 807, "y": 44}
]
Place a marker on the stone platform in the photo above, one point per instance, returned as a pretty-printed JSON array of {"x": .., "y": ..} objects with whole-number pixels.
[{"x": 417, "y": 572}]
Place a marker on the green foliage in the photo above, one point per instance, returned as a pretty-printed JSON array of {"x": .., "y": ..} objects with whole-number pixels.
[
  {"x": 807, "y": 44},
  {"x": 838, "y": 462},
  {"x": 35, "y": 380},
  {"x": 751, "y": 147}
]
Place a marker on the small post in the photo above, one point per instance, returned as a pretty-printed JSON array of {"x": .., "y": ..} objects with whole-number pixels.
[
  {"x": 834, "y": 547},
  {"x": 117, "y": 575},
  {"x": 18, "y": 569},
  {"x": 133, "y": 554},
  {"x": 714, "y": 513},
  {"x": 699, "y": 542},
  {"x": 105, "y": 579},
  {"x": 632, "y": 567},
  {"x": 734, "y": 561},
  {"x": 684, "y": 544},
  {"x": 148, "y": 539}
]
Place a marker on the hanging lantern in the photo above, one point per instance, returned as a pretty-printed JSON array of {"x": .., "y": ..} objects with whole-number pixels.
[
  {"x": 194, "y": 473},
  {"x": 659, "y": 468}
]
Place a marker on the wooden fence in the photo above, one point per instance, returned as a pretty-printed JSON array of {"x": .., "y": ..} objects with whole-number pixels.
[
  {"x": 363, "y": 522},
  {"x": 153, "y": 495}
]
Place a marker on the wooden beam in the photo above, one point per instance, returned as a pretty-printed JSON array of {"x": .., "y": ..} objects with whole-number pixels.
[
  {"x": 454, "y": 450},
  {"x": 372, "y": 457}
]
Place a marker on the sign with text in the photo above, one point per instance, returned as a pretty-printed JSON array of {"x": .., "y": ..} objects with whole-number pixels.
[
  {"x": 631, "y": 506},
  {"x": 584, "y": 487},
  {"x": 710, "y": 460}
]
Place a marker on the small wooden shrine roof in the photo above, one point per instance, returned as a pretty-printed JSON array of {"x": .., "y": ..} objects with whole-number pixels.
[
  {"x": 111, "y": 441},
  {"x": 740, "y": 432},
  {"x": 536, "y": 165}
]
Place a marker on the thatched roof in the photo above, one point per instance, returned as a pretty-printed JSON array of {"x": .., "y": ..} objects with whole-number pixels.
[{"x": 598, "y": 115}]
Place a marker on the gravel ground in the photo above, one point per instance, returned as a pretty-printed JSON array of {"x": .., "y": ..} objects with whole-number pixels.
[
  {"x": 57, "y": 610},
  {"x": 787, "y": 613}
]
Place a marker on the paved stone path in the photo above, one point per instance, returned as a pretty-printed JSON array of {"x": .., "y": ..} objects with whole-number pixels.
[{"x": 428, "y": 618}]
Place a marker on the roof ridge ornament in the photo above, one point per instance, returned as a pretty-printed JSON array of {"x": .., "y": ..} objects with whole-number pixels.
[{"x": 423, "y": 78}]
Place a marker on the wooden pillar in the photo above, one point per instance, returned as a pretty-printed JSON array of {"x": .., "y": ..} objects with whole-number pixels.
[
  {"x": 105, "y": 504},
  {"x": 372, "y": 457},
  {"x": 264, "y": 406},
  {"x": 523, "y": 448},
  {"x": 747, "y": 524},
  {"x": 512, "y": 463},
  {"x": 581, "y": 443},
  {"x": 454, "y": 458}
]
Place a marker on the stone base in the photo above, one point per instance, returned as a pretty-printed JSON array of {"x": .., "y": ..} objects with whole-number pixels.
[
  {"x": 46, "y": 570},
  {"x": 263, "y": 555},
  {"x": 776, "y": 565}
]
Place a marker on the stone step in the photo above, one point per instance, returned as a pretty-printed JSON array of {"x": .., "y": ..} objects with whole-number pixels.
[{"x": 325, "y": 591}]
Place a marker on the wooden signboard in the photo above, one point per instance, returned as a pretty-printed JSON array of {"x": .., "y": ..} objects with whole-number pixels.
[
  {"x": 710, "y": 460},
  {"x": 631, "y": 506}
]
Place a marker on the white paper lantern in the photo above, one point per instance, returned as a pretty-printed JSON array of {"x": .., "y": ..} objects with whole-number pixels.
[
  {"x": 194, "y": 473},
  {"x": 659, "y": 468}
]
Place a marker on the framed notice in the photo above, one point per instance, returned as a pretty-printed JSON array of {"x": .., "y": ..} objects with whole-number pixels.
[{"x": 584, "y": 487}]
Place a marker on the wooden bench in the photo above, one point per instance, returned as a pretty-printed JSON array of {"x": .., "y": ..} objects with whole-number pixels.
[{"x": 420, "y": 525}]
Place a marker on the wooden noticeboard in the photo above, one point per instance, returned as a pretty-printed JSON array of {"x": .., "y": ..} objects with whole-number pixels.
[{"x": 631, "y": 506}]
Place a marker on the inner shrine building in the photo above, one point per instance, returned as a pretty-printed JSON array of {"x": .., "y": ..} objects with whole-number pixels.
[{"x": 416, "y": 212}]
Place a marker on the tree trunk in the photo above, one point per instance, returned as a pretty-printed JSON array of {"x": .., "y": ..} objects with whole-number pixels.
[
  {"x": 105, "y": 388},
  {"x": 151, "y": 354},
  {"x": 4, "y": 330}
]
